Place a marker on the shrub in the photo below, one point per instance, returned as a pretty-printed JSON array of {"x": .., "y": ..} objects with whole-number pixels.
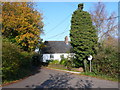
[
  {"x": 54, "y": 62},
  {"x": 15, "y": 62},
  {"x": 36, "y": 59},
  {"x": 106, "y": 62},
  {"x": 68, "y": 62},
  {"x": 63, "y": 61},
  {"x": 10, "y": 59}
]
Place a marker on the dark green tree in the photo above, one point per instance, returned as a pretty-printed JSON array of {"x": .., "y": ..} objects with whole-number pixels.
[{"x": 83, "y": 36}]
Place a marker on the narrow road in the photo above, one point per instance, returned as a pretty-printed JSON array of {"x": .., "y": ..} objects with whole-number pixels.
[{"x": 48, "y": 78}]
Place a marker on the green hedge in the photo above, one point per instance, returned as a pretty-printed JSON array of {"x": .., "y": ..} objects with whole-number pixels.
[
  {"x": 15, "y": 62},
  {"x": 106, "y": 62}
]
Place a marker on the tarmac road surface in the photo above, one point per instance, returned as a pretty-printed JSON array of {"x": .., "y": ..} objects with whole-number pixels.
[{"x": 49, "y": 78}]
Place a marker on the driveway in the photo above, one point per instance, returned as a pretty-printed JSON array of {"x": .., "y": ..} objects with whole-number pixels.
[{"x": 48, "y": 78}]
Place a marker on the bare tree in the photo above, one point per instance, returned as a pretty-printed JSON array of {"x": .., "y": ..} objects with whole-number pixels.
[{"x": 105, "y": 23}]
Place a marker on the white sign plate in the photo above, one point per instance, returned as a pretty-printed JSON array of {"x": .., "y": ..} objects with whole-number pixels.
[{"x": 90, "y": 57}]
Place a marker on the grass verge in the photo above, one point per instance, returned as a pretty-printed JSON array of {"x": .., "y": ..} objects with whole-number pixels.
[
  {"x": 91, "y": 74},
  {"x": 105, "y": 77}
]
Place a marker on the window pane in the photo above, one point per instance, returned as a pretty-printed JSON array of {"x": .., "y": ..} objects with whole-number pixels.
[{"x": 51, "y": 56}]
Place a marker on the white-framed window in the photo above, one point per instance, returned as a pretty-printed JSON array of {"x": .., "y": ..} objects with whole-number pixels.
[
  {"x": 62, "y": 56},
  {"x": 51, "y": 56}
]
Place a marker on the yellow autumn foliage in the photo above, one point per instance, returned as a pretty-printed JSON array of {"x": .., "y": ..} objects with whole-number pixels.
[{"x": 22, "y": 24}]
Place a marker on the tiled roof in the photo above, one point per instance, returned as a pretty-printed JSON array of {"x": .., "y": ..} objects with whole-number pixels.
[{"x": 56, "y": 47}]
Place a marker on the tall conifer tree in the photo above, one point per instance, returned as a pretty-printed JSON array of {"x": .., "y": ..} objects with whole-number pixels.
[{"x": 83, "y": 36}]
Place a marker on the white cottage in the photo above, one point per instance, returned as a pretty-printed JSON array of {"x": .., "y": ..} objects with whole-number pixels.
[{"x": 53, "y": 50}]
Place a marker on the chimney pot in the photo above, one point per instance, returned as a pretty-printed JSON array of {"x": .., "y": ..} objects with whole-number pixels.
[{"x": 66, "y": 40}]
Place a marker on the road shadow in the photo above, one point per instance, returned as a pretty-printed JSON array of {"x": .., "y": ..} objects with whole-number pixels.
[
  {"x": 84, "y": 84},
  {"x": 63, "y": 81},
  {"x": 57, "y": 81},
  {"x": 35, "y": 70}
]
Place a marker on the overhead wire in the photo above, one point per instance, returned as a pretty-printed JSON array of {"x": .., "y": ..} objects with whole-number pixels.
[
  {"x": 66, "y": 28},
  {"x": 59, "y": 24},
  {"x": 59, "y": 33}
]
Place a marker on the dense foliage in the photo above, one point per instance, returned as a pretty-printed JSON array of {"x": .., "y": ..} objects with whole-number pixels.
[
  {"x": 67, "y": 62},
  {"x": 15, "y": 62},
  {"x": 83, "y": 35},
  {"x": 106, "y": 61},
  {"x": 22, "y": 24}
]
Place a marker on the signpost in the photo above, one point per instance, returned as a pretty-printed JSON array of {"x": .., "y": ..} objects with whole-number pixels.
[{"x": 90, "y": 58}]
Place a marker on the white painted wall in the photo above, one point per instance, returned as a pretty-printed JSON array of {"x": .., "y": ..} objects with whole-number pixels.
[{"x": 57, "y": 56}]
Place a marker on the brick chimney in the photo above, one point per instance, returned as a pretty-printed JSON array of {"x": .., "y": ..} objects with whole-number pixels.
[{"x": 66, "y": 40}]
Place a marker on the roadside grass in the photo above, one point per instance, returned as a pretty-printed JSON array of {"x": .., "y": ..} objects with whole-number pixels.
[
  {"x": 91, "y": 74},
  {"x": 105, "y": 77},
  {"x": 57, "y": 66},
  {"x": 61, "y": 67}
]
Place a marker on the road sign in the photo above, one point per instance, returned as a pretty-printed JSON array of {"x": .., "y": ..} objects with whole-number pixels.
[{"x": 90, "y": 58}]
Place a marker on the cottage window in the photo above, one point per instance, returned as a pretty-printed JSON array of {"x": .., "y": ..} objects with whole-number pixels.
[
  {"x": 62, "y": 56},
  {"x": 51, "y": 56}
]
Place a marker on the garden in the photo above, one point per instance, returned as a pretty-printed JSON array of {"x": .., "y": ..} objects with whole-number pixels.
[{"x": 105, "y": 64}]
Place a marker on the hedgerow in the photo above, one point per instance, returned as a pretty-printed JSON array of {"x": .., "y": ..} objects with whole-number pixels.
[
  {"x": 16, "y": 63},
  {"x": 106, "y": 62}
]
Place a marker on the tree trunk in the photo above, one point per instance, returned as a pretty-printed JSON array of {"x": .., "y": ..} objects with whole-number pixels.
[{"x": 85, "y": 62}]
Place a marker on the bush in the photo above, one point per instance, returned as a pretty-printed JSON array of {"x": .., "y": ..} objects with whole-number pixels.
[
  {"x": 68, "y": 62},
  {"x": 106, "y": 62},
  {"x": 36, "y": 59},
  {"x": 63, "y": 61},
  {"x": 54, "y": 61},
  {"x": 15, "y": 62}
]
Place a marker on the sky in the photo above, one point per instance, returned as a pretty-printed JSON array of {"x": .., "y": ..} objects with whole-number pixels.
[{"x": 57, "y": 17}]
